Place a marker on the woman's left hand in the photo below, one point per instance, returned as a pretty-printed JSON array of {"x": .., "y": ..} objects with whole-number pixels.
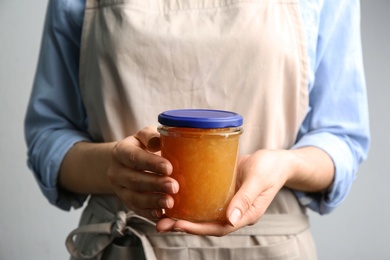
[{"x": 259, "y": 178}]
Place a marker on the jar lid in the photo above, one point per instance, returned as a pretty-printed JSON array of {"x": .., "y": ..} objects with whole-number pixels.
[{"x": 200, "y": 118}]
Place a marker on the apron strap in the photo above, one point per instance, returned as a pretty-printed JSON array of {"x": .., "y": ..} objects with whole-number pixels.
[{"x": 106, "y": 233}]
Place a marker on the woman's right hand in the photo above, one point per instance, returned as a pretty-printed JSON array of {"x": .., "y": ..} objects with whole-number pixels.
[{"x": 140, "y": 176}]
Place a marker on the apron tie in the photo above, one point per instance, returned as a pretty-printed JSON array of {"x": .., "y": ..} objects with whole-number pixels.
[
  {"x": 104, "y": 235},
  {"x": 120, "y": 224},
  {"x": 102, "y": 241}
]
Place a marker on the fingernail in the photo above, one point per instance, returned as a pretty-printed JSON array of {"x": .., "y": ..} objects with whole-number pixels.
[
  {"x": 170, "y": 188},
  {"x": 165, "y": 203},
  {"x": 235, "y": 216},
  {"x": 164, "y": 168},
  {"x": 162, "y": 203}
]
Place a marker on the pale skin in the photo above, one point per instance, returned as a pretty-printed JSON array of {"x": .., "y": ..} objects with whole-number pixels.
[{"x": 133, "y": 170}]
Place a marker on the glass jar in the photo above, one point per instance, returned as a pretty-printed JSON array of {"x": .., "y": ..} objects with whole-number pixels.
[{"x": 202, "y": 146}]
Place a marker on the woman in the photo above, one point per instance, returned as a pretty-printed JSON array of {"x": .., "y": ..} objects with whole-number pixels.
[{"x": 107, "y": 68}]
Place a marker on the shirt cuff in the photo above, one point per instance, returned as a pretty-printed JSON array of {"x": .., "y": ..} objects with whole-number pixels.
[
  {"x": 46, "y": 164},
  {"x": 345, "y": 172}
]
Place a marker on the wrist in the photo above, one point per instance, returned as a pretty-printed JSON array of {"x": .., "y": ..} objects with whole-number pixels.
[
  {"x": 295, "y": 165},
  {"x": 310, "y": 170}
]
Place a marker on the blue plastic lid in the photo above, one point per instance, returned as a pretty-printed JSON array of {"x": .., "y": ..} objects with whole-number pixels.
[{"x": 200, "y": 118}]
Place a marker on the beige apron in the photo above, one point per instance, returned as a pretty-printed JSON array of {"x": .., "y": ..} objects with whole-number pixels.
[{"x": 141, "y": 57}]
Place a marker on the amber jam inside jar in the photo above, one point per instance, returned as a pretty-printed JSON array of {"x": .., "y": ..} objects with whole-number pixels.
[{"x": 202, "y": 146}]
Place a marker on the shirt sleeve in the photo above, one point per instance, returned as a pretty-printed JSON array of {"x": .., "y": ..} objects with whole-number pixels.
[
  {"x": 337, "y": 120},
  {"x": 55, "y": 117}
]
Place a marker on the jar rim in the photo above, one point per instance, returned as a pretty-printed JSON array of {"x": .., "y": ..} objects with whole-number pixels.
[{"x": 200, "y": 118}]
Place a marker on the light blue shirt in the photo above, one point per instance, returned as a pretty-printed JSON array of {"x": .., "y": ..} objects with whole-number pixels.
[{"x": 337, "y": 120}]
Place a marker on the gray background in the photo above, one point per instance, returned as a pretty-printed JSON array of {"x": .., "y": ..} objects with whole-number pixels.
[{"x": 32, "y": 229}]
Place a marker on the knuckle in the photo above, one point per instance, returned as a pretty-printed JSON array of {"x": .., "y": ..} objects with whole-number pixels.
[
  {"x": 132, "y": 182},
  {"x": 132, "y": 156},
  {"x": 133, "y": 159},
  {"x": 247, "y": 200}
]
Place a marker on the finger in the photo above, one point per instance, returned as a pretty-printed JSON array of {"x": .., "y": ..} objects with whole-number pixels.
[
  {"x": 246, "y": 202},
  {"x": 145, "y": 203},
  {"x": 165, "y": 225},
  {"x": 131, "y": 154},
  {"x": 147, "y": 182},
  {"x": 152, "y": 214},
  {"x": 218, "y": 229},
  {"x": 141, "y": 181},
  {"x": 249, "y": 204},
  {"x": 150, "y": 138}
]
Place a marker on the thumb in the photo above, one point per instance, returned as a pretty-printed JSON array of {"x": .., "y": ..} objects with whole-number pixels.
[
  {"x": 150, "y": 138},
  {"x": 248, "y": 204},
  {"x": 239, "y": 206}
]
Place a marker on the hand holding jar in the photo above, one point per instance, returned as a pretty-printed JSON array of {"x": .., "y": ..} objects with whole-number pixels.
[
  {"x": 259, "y": 177},
  {"x": 140, "y": 176}
]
